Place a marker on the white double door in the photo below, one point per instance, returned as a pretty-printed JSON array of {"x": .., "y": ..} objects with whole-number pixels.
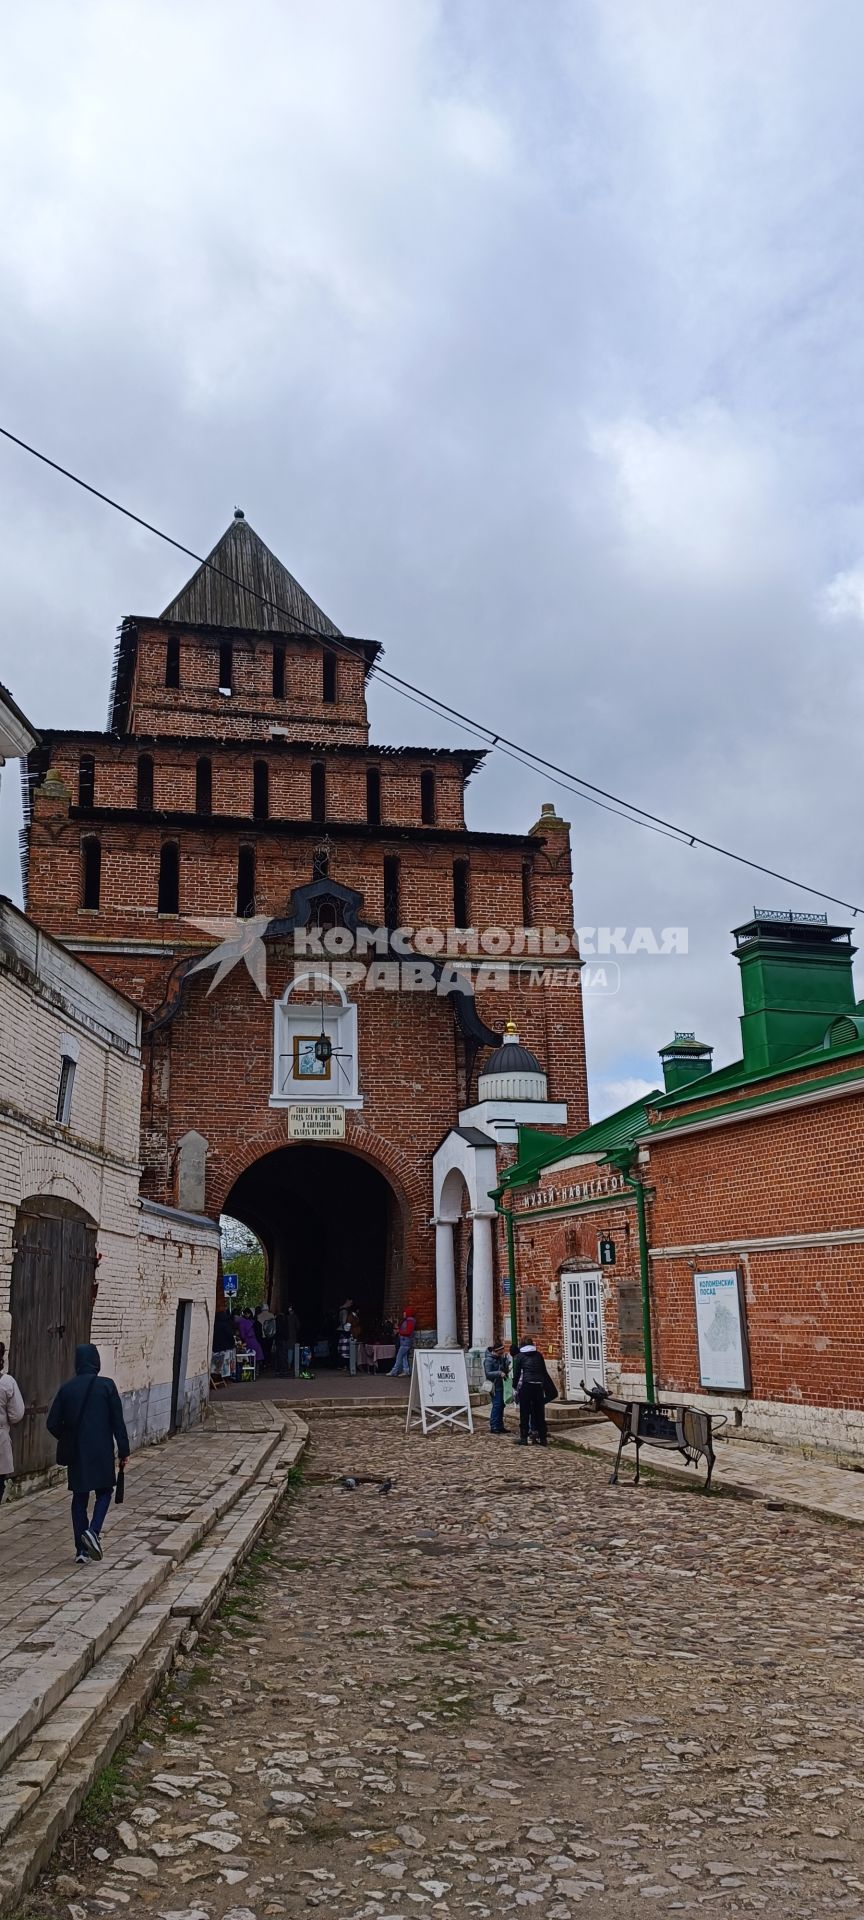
[{"x": 584, "y": 1353}]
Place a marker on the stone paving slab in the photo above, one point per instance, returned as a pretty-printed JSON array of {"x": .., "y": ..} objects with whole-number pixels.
[
  {"x": 56, "y": 1618},
  {"x": 45, "y": 1784},
  {"x": 504, "y": 1686},
  {"x": 40, "y": 1827},
  {"x": 751, "y": 1468},
  {"x": 36, "y": 1765}
]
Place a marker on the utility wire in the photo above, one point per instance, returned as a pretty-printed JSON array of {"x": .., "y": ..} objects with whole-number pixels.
[{"x": 563, "y": 777}]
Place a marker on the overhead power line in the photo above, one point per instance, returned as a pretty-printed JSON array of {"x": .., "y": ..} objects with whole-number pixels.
[{"x": 562, "y": 777}]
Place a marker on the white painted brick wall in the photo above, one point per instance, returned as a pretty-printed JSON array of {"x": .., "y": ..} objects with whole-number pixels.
[{"x": 150, "y": 1260}]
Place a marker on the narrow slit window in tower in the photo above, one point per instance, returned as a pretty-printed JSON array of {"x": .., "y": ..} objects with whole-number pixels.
[
  {"x": 318, "y": 792},
  {"x": 391, "y": 890},
  {"x": 328, "y": 671},
  {"x": 91, "y": 872},
  {"x": 373, "y": 796},
  {"x": 226, "y": 667},
  {"x": 461, "y": 904},
  {"x": 204, "y": 786},
  {"x": 145, "y": 783},
  {"x": 527, "y": 894},
  {"x": 245, "y": 880},
  {"x": 260, "y": 790},
  {"x": 172, "y": 661},
  {"x": 278, "y": 673},
  {"x": 86, "y": 780},
  {"x": 427, "y": 798},
  {"x": 168, "y": 898}
]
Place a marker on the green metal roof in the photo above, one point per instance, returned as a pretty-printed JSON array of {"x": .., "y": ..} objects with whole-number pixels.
[
  {"x": 617, "y": 1130},
  {"x": 824, "y": 1083},
  {"x": 730, "y": 1079},
  {"x": 735, "y": 1078}
]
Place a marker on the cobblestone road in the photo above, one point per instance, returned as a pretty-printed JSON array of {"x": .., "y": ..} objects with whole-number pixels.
[{"x": 503, "y": 1686}]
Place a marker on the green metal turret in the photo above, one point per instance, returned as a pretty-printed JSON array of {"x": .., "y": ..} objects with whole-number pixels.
[
  {"x": 683, "y": 1060},
  {"x": 796, "y": 977}
]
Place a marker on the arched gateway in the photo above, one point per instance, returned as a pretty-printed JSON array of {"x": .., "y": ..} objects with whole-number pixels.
[{"x": 332, "y": 1227}]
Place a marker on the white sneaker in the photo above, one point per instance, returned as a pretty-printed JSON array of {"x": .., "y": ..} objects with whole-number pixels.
[
  {"x": 82, "y": 1559},
  {"x": 91, "y": 1543}
]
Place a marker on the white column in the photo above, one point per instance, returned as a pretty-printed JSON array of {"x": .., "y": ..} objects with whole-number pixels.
[
  {"x": 445, "y": 1280},
  {"x": 483, "y": 1330}
]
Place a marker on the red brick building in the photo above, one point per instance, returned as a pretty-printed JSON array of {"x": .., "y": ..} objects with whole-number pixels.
[
  {"x": 754, "y": 1206},
  {"x": 305, "y": 1081}
]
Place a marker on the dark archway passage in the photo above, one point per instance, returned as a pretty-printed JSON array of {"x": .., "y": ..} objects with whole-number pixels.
[{"x": 331, "y": 1226}]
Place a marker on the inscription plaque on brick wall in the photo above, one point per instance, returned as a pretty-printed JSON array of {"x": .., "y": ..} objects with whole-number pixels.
[
  {"x": 532, "y": 1320},
  {"x": 318, "y": 1121},
  {"x": 630, "y": 1320}
]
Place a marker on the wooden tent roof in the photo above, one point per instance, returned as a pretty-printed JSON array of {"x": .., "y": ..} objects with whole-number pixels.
[{"x": 242, "y": 584}]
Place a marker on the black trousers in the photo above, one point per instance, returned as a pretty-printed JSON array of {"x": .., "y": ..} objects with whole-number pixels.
[{"x": 532, "y": 1411}]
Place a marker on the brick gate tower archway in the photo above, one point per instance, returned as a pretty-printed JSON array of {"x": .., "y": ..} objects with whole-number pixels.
[{"x": 335, "y": 1224}]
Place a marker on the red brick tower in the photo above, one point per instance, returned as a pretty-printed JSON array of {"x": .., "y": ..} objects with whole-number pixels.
[{"x": 236, "y": 779}]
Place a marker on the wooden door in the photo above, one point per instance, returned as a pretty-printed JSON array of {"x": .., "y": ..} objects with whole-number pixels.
[{"x": 50, "y": 1308}]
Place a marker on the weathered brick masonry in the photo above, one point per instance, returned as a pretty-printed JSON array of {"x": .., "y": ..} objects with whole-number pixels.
[{"x": 237, "y": 776}]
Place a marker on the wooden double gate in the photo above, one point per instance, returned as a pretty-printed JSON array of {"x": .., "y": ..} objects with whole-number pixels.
[{"x": 51, "y": 1307}]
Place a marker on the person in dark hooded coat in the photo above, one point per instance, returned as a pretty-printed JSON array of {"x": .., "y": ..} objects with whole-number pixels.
[
  {"x": 89, "y": 1408},
  {"x": 534, "y": 1385}
]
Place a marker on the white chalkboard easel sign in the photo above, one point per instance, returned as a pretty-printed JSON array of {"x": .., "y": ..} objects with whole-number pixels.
[{"x": 439, "y": 1395}]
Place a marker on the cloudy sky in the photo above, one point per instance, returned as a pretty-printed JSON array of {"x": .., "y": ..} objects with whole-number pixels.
[{"x": 529, "y": 336}]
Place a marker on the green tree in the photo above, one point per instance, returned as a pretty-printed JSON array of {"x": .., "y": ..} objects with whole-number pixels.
[
  {"x": 243, "y": 1254},
  {"x": 251, "y": 1278}
]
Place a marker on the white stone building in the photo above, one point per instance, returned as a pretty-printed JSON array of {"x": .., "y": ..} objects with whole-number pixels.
[{"x": 81, "y": 1255}]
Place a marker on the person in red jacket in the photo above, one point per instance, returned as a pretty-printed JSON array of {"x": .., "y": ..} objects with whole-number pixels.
[{"x": 407, "y": 1330}]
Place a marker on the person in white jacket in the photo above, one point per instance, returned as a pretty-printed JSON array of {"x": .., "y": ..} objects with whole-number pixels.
[{"x": 11, "y": 1411}]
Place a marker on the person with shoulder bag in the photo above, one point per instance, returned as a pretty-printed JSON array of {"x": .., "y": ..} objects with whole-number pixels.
[
  {"x": 11, "y": 1411},
  {"x": 86, "y": 1420},
  {"x": 534, "y": 1385}
]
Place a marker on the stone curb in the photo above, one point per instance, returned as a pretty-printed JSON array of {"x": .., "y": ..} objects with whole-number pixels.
[
  {"x": 47, "y": 1681},
  {"x": 36, "y": 1764},
  {"x": 37, "y": 1834},
  {"x": 666, "y": 1465},
  {"x": 81, "y": 1737}
]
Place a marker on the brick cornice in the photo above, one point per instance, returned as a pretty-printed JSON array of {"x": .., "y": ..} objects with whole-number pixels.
[{"x": 301, "y": 829}]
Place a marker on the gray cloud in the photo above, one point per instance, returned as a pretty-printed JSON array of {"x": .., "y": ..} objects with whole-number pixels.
[{"x": 529, "y": 338}]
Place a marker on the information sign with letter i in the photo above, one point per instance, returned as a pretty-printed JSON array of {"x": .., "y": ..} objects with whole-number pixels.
[{"x": 439, "y": 1395}]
